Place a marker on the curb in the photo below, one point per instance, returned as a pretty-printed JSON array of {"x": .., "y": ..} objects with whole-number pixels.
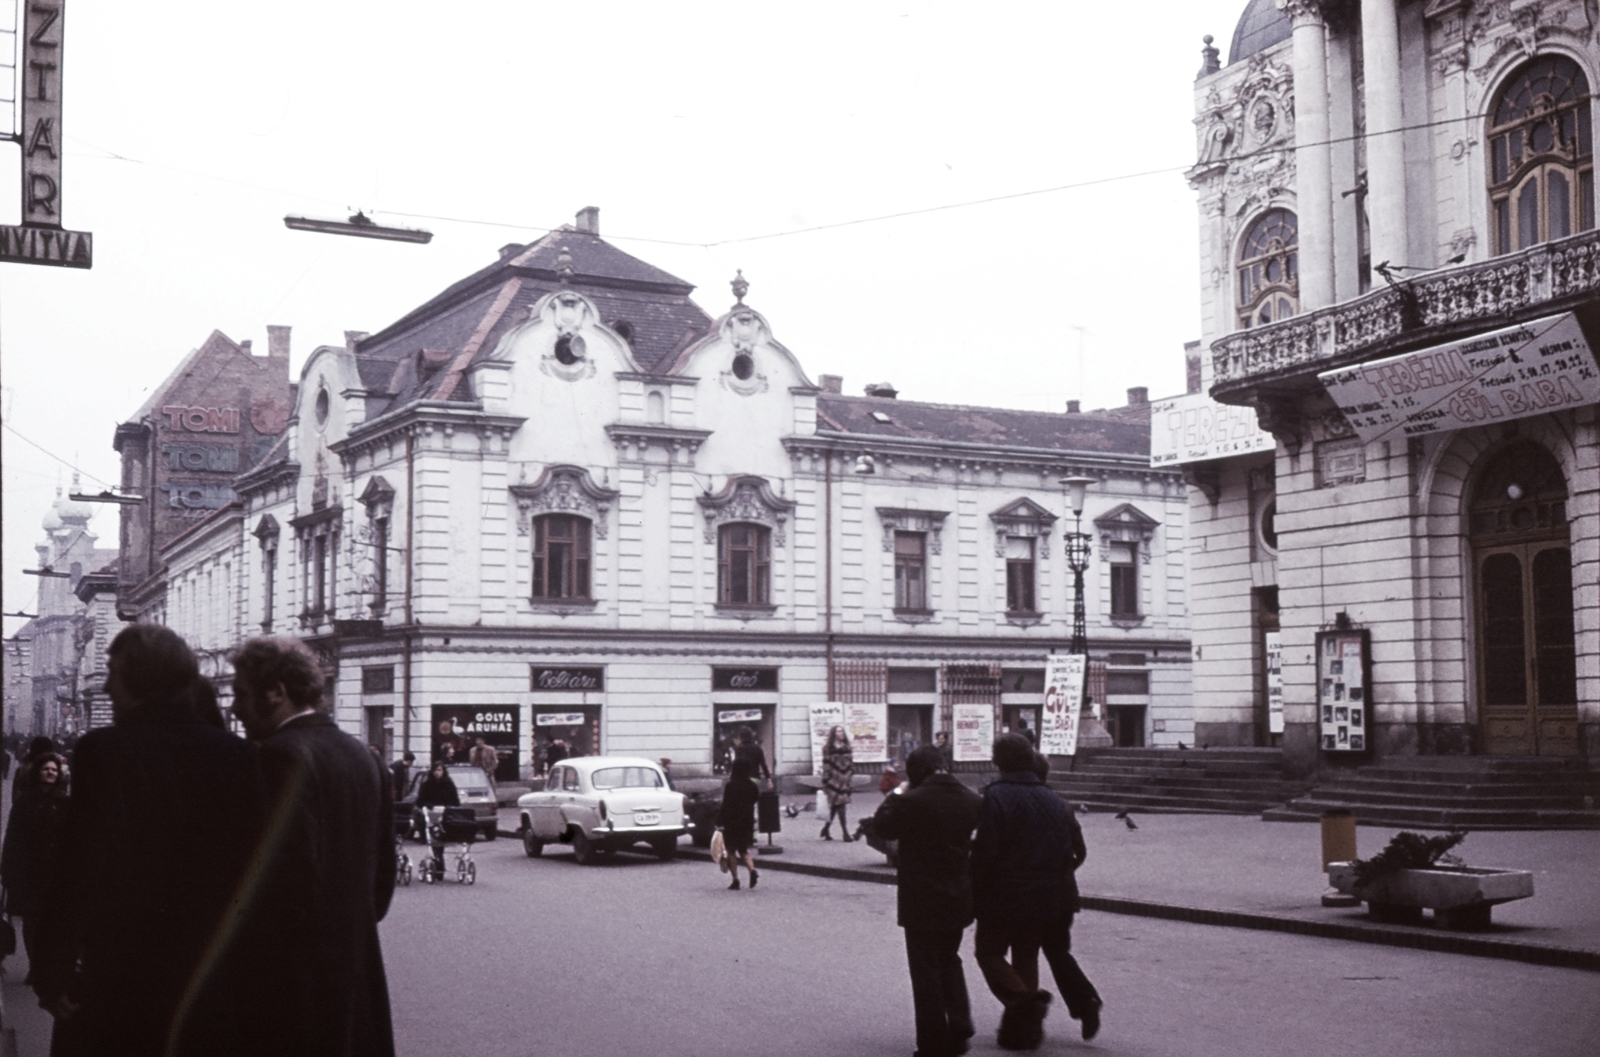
[{"x": 1384, "y": 935}]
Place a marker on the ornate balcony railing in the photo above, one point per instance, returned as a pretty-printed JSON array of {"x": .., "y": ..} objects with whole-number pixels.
[{"x": 1492, "y": 291}]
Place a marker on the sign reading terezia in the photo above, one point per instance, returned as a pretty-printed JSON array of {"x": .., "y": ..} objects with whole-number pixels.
[
  {"x": 1194, "y": 428},
  {"x": 1516, "y": 372}
]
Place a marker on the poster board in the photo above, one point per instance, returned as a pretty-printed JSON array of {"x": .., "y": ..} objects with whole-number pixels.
[
  {"x": 974, "y": 732},
  {"x": 1196, "y": 428},
  {"x": 825, "y": 715},
  {"x": 1274, "y": 651},
  {"x": 1344, "y": 685},
  {"x": 868, "y": 727},
  {"x": 1063, "y": 703}
]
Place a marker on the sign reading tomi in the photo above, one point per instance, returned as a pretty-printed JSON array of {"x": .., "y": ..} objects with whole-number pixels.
[
  {"x": 765, "y": 679},
  {"x": 568, "y": 679},
  {"x": 1194, "y": 428},
  {"x": 1529, "y": 369}
]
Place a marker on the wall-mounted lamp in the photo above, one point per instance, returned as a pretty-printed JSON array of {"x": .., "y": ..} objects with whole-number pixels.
[{"x": 865, "y": 465}]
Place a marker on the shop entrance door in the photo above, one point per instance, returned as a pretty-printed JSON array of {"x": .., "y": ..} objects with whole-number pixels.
[
  {"x": 1527, "y": 668},
  {"x": 910, "y": 726}
]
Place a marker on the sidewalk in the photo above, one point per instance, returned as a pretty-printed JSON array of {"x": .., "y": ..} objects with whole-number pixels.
[{"x": 1239, "y": 871}]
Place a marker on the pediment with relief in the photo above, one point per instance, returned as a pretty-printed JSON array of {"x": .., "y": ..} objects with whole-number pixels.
[
  {"x": 1126, "y": 524},
  {"x": 746, "y": 498},
  {"x": 1022, "y": 517},
  {"x": 564, "y": 490}
]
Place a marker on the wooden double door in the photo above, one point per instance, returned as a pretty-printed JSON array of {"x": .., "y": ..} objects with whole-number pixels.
[{"x": 1527, "y": 666}]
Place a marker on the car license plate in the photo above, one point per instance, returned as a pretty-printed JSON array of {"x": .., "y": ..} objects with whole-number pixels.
[{"x": 646, "y": 818}]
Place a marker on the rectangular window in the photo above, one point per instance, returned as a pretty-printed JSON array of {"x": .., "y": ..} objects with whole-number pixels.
[
  {"x": 561, "y": 557},
  {"x": 910, "y": 570},
  {"x": 1019, "y": 575},
  {"x": 269, "y": 576},
  {"x": 380, "y": 564},
  {"x": 743, "y": 564},
  {"x": 319, "y": 573},
  {"x": 1124, "y": 579},
  {"x": 1128, "y": 683},
  {"x": 1502, "y": 225}
]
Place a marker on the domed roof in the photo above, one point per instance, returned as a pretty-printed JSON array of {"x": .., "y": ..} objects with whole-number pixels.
[
  {"x": 68, "y": 510},
  {"x": 52, "y": 520},
  {"x": 1260, "y": 27}
]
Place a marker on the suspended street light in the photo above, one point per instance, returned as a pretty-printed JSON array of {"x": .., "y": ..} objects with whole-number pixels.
[{"x": 361, "y": 226}]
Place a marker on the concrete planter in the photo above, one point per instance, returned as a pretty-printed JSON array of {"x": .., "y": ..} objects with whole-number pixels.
[{"x": 1460, "y": 897}]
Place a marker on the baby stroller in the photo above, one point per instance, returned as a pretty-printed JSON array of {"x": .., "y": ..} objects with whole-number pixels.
[
  {"x": 402, "y": 829},
  {"x": 451, "y": 825}
]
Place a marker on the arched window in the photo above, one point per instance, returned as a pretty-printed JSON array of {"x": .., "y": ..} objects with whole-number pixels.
[
  {"x": 1541, "y": 155},
  {"x": 744, "y": 563},
  {"x": 560, "y": 557},
  {"x": 1269, "y": 270}
]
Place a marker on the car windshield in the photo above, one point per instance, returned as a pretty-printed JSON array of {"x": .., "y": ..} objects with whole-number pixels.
[
  {"x": 469, "y": 779},
  {"x": 626, "y": 778}
]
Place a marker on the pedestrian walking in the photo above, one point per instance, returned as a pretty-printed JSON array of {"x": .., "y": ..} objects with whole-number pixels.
[
  {"x": 1020, "y": 860},
  {"x": 1055, "y": 939},
  {"x": 838, "y": 769},
  {"x": 438, "y": 789},
  {"x": 137, "y": 954},
  {"x": 328, "y": 875},
  {"x": 941, "y": 741},
  {"x": 21, "y": 782},
  {"x": 556, "y": 753},
  {"x": 33, "y": 839},
  {"x": 933, "y": 820},
  {"x": 737, "y": 820},
  {"x": 484, "y": 757},
  {"x": 400, "y": 774}
]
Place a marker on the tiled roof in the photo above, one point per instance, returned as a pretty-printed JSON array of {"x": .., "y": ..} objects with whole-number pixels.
[
  {"x": 1108, "y": 433},
  {"x": 465, "y": 322}
]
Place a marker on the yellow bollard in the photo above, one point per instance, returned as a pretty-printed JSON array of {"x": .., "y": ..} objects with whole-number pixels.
[{"x": 1338, "y": 845}]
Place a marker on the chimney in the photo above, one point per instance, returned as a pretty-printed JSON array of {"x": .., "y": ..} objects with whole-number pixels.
[
  {"x": 1074, "y": 407},
  {"x": 831, "y": 383},
  {"x": 277, "y": 343},
  {"x": 1138, "y": 395},
  {"x": 882, "y": 389},
  {"x": 509, "y": 250},
  {"x": 244, "y": 347},
  {"x": 351, "y": 337},
  {"x": 589, "y": 220}
]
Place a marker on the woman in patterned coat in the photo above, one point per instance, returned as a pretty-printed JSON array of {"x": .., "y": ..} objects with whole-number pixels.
[{"x": 838, "y": 767}]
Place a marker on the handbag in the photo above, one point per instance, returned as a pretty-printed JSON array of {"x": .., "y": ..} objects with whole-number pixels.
[{"x": 719, "y": 851}]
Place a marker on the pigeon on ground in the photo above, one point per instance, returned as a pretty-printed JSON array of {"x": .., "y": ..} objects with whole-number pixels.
[
  {"x": 1083, "y": 809},
  {"x": 1123, "y": 815}
]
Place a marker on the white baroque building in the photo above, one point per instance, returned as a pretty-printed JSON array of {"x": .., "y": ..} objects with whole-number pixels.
[
  {"x": 559, "y": 500},
  {"x": 1400, "y": 276}
]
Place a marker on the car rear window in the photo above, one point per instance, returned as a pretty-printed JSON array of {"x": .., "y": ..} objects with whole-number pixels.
[
  {"x": 626, "y": 778},
  {"x": 471, "y": 778}
]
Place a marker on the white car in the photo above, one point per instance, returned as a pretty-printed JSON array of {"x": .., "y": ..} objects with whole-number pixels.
[{"x": 603, "y": 803}]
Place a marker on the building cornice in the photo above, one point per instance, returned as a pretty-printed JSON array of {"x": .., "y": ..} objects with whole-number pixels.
[{"x": 423, "y": 415}]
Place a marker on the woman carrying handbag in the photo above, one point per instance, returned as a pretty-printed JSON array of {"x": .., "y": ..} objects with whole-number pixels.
[{"x": 838, "y": 767}]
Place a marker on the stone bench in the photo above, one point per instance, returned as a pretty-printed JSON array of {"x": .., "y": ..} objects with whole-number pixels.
[{"x": 1460, "y": 897}]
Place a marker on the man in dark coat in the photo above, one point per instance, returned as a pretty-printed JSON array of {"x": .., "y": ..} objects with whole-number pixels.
[
  {"x": 401, "y": 772},
  {"x": 1020, "y": 860},
  {"x": 327, "y": 871},
  {"x": 135, "y": 954},
  {"x": 933, "y": 821}
]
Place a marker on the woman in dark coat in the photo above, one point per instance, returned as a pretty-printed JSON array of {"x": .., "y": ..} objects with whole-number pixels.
[
  {"x": 33, "y": 836},
  {"x": 838, "y": 767},
  {"x": 737, "y": 821},
  {"x": 436, "y": 790}
]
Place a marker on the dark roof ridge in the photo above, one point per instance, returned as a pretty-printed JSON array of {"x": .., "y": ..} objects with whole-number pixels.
[{"x": 891, "y": 401}]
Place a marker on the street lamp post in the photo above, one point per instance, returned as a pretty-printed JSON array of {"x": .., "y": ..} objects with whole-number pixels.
[{"x": 1078, "y": 561}]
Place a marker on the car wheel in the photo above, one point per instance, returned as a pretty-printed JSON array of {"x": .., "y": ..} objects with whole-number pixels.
[
  {"x": 491, "y": 831},
  {"x": 531, "y": 845},
  {"x": 666, "y": 848},
  {"x": 583, "y": 849}
]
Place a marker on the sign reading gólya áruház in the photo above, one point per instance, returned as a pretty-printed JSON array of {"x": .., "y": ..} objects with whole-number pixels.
[
  {"x": 1529, "y": 369},
  {"x": 1194, "y": 427}
]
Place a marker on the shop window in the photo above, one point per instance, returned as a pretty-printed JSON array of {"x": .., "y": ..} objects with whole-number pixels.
[
  {"x": 560, "y": 557},
  {"x": 744, "y": 564},
  {"x": 1124, "y": 579},
  {"x": 910, "y": 570},
  {"x": 1269, "y": 278},
  {"x": 1019, "y": 575},
  {"x": 1541, "y": 155}
]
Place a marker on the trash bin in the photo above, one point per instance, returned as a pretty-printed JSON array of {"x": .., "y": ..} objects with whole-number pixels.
[
  {"x": 768, "y": 812},
  {"x": 1338, "y": 836}
]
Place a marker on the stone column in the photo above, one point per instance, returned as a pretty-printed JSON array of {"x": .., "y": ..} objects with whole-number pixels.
[
  {"x": 1313, "y": 156},
  {"x": 1386, "y": 157}
]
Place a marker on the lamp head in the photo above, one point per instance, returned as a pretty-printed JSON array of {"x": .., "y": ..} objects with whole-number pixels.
[{"x": 1077, "y": 487}]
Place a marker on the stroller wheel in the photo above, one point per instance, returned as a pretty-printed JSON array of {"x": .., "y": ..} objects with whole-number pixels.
[
  {"x": 472, "y": 873},
  {"x": 403, "y": 869},
  {"x": 461, "y": 871}
]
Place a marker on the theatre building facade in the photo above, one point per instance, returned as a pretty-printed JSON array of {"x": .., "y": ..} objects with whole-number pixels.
[
  {"x": 562, "y": 502},
  {"x": 1401, "y": 279}
]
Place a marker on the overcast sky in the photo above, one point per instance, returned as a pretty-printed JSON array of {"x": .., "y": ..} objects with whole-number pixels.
[{"x": 193, "y": 127}]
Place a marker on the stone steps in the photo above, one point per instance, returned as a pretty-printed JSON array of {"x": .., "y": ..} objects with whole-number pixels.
[
  {"x": 1458, "y": 792},
  {"x": 1221, "y": 781}
]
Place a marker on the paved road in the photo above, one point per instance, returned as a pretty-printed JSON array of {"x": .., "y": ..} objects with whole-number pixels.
[{"x": 634, "y": 956}]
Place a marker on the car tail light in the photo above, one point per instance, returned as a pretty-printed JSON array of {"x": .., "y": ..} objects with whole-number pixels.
[{"x": 602, "y": 811}]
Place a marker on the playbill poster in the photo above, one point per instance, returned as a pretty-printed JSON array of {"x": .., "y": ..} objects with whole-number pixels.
[
  {"x": 1342, "y": 691},
  {"x": 1063, "y": 701},
  {"x": 974, "y": 740}
]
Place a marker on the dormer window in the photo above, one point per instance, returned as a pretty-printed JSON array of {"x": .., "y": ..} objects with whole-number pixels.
[
  {"x": 569, "y": 349},
  {"x": 743, "y": 366}
]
